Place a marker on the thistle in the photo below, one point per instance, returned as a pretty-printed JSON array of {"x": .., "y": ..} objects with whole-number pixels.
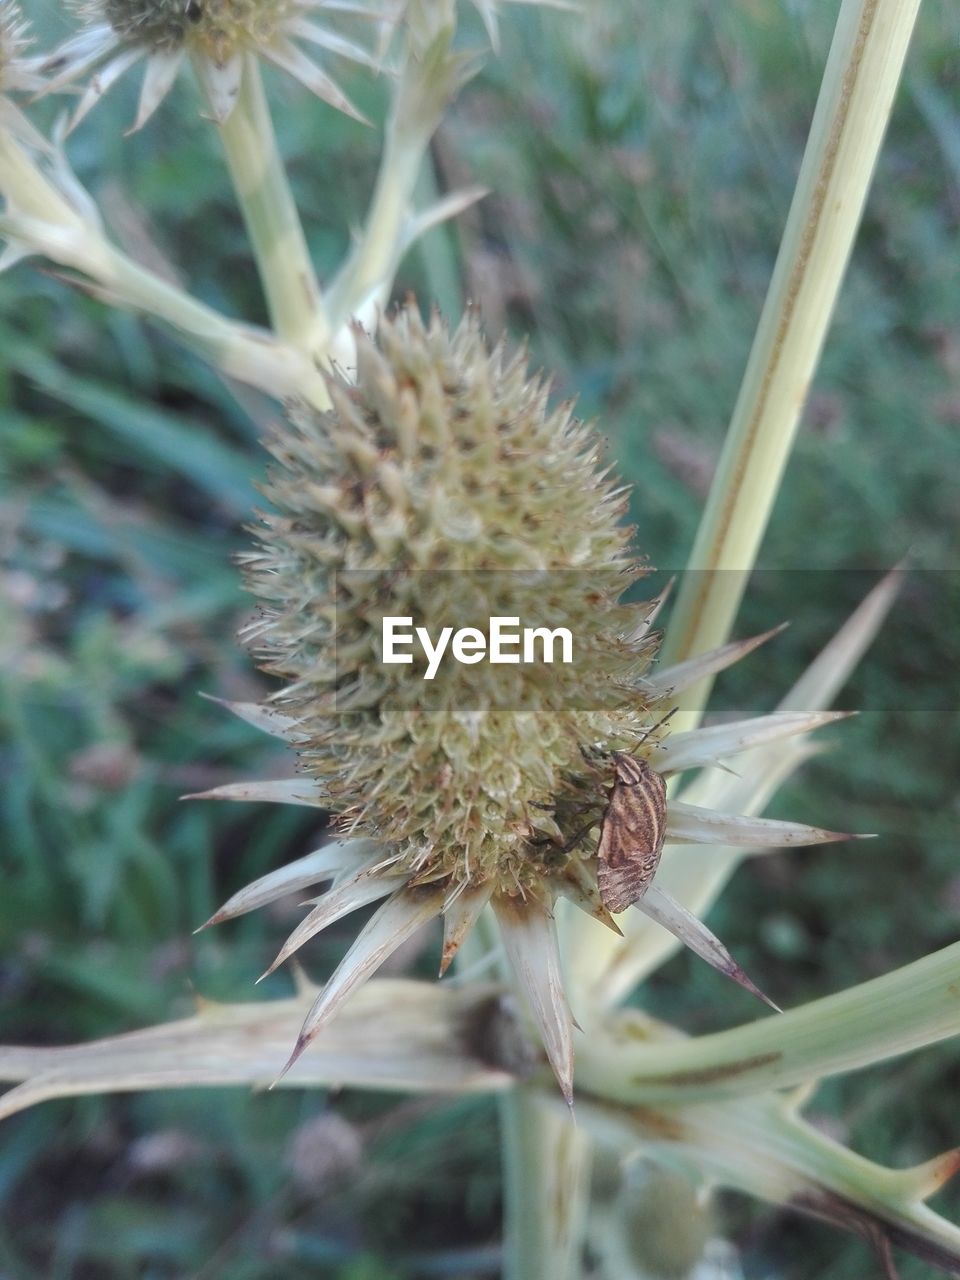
[
  {"x": 18, "y": 74},
  {"x": 216, "y": 35},
  {"x": 443, "y": 487}
]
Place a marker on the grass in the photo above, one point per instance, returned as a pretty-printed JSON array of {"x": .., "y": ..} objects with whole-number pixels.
[{"x": 642, "y": 161}]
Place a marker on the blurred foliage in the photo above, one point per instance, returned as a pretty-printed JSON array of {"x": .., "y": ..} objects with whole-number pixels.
[{"x": 642, "y": 158}]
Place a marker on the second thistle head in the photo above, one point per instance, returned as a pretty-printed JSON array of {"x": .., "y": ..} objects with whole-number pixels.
[{"x": 219, "y": 37}]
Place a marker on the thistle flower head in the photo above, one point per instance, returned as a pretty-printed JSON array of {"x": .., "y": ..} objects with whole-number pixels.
[
  {"x": 18, "y": 74},
  {"x": 216, "y": 34},
  {"x": 443, "y": 489},
  {"x": 17, "y": 70}
]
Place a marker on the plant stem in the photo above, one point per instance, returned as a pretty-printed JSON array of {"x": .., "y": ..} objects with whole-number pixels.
[
  {"x": 366, "y": 278},
  {"x": 914, "y": 1006},
  {"x": 429, "y": 78},
  {"x": 761, "y": 1146},
  {"x": 395, "y": 1034},
  {"x": 250, "y": 355},
  {"x": 43, "y": 220},
  {"x": 546, "y": 1161},
  {"x": 863, "y": 68},
  {"x": 273, "y": 223}
]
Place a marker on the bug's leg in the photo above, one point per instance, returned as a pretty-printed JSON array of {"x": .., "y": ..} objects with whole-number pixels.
[{"x": 571, "y": 844}]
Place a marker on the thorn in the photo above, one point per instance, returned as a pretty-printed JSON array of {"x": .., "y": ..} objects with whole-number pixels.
[
  {"x": 267, "y": 972},
  {"x": 798, "y": 1097},
  {"x": 607, "y": 919},
  {"x": 741, "y": 978},
  {"x": 836, "y": 837},
  {"x": 924, "y": 1180},
  {"x": 302, "y": 1042},
  {"x": 755, "y": 990}
]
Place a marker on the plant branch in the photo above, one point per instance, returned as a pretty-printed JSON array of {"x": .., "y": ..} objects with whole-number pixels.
[
  {"x": 546, "y": 1162},
  {"x": 872, "y": 1022},
  {"x": 761, "y": 1146},
  {"x": 272, "y": 220},
  {"x": 431, "y": 75},
  {"x": 394, "y": 1034},
  {"x": 62, "y": 225},
  {"x": 860, "y": 80}
]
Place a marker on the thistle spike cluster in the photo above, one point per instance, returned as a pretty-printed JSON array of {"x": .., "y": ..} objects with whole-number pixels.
[{"x": 441, "y": 470}]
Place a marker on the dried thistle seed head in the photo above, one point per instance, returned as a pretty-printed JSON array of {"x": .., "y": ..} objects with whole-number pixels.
[
  {"x": 155, "y": 24},
  {"x": 13, "y": 35},
  {"x": 216, "y": 29},
  {"x": 216, "y": 34},
  {"x": 443, "y": 488},
  {"x": 19, "y": 73},
  {"x": 17, "y": 70}
]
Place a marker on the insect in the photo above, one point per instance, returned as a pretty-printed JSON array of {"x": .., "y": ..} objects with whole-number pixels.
[{"x": 632, "y": 832}]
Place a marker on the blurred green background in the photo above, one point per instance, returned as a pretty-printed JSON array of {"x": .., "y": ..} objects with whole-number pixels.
[{"x": 642, "y": 158}]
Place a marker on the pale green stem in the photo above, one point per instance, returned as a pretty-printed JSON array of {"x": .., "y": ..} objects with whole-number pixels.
[
  {"x": 430, "y": 77},
  {"x": 546, "y": 1164},
  {"x": 28, "y": 191},
  {"x": 546, "y": 1161},
  {"x": 860, "y": 79},
  {"x": 251, "y": 355},
  {"x": 45, "y": 221},
  {"x": 272, "y": 220},
  {"x": 914, "y": 1006},
  {"x": 368, "y": 274},
  {"x": 862, "y": 72}
]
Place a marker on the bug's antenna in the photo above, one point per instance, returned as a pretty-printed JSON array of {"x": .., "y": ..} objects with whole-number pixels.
[{"x": 654, "y": 727}]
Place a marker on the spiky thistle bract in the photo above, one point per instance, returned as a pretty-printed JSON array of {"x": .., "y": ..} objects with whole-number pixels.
[{"x": 443, "y": 480}]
